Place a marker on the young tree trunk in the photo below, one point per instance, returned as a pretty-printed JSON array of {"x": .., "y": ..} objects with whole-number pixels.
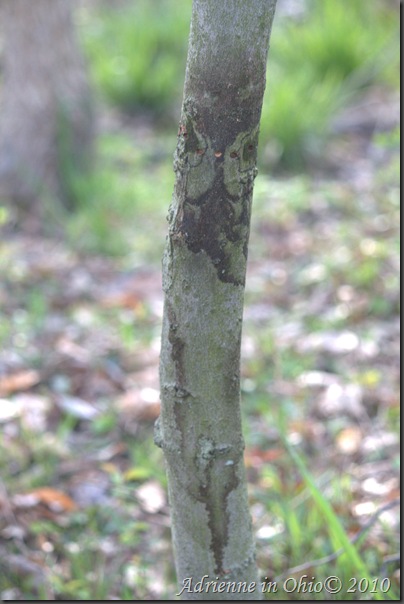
[
  {"x": 46, "y": 125},
  {"x": 204, "y": 270}
]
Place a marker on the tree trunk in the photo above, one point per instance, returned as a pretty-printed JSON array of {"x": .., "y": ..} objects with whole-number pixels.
[
  {"x": 46, "y": 126},
  {"x": 204, "y": 268}
]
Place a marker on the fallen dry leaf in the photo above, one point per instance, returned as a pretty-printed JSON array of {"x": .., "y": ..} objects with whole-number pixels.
[
  {"x": 141, "y": 404},
  {"x": 22, "y": 380},
  {"x": 123, "y": 299},
  {"x": 255, "y": 457},
  {"x": 71, "y": 349},
  {"x": 56, "y": 500}
]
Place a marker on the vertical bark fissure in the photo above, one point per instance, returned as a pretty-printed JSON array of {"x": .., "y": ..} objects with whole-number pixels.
[{"x": 204, "y": 269}]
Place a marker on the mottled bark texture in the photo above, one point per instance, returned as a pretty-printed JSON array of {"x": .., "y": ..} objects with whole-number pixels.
[
  {"x": 46, "y": 125},
  {"x": 204, "y": 270}
]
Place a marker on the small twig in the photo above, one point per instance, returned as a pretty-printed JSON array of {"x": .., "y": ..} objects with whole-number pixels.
[{"x": 338, "y": 553}]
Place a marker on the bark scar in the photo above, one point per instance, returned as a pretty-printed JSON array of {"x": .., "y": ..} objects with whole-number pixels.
[
  {"x": 177, "y": 345},
  {"x": 213, "y": 197},
  {"x": 217, "y": 479}
]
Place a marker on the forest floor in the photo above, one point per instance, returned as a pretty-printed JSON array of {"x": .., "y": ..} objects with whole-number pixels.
[{"x": 83, "y": 503}]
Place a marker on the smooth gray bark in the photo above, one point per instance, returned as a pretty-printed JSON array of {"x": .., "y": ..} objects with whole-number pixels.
[
  {"x": 46, "y": 116},
  {"x": 204, "y": 269}
]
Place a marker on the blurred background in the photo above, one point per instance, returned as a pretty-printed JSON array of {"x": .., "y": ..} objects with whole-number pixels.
[{"x": 90, "y": 98}]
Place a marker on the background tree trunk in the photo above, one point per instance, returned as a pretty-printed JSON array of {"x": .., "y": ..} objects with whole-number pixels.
[
  {"x": 46, "y": 125},
  {"x": 203, "y": 278}
]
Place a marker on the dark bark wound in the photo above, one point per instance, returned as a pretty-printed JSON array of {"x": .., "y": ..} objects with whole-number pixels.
[
  {"x": 218, "y": 220},
  {"x": 211, "y": 225},
  {"x": 177, "y": 345},
  {"x": 214, "y": 497}
]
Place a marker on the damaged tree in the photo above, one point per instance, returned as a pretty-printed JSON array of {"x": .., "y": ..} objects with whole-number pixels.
[{"x": 204, "y": 269}]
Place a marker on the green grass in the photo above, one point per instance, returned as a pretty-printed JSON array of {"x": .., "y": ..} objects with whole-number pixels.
[
  {"x": 354, "y": 563},
  {"x": 138, "y": 54},
  {"x": 348, "y": 245},
  {"x": 120, "y": 203},
  {"x": 317, "y": 64},
  {"x": 82, "y": 540},
  {"x": 306, "y": 492}
]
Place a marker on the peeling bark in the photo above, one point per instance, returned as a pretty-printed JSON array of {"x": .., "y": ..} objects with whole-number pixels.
[{"x": 204, "y": 268}]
